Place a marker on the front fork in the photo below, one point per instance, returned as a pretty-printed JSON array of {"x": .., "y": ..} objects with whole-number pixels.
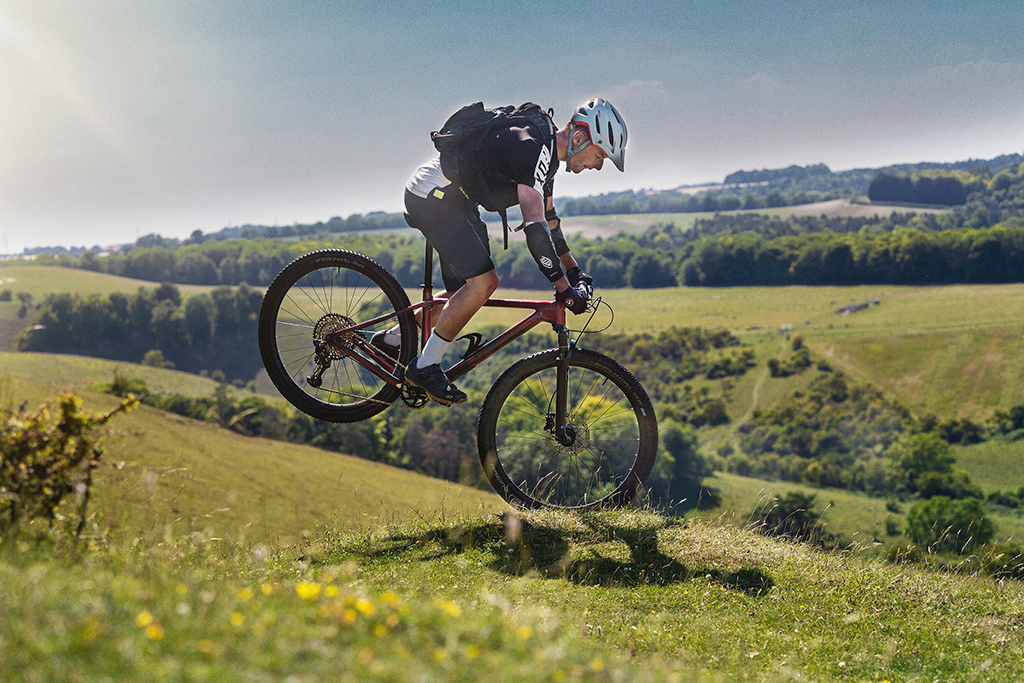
[{"x": 565, "y": 435}]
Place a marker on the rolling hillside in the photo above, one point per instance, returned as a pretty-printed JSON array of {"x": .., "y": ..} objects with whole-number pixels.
[
  {"x": 187, "y": 477},
  {"x": 41, "y": 280}
]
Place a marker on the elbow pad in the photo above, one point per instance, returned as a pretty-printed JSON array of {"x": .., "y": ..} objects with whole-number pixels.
[{"x": 538, "y": 239}]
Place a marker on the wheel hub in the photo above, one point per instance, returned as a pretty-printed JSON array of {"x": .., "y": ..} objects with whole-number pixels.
[
  {"x": 332, "y": 322},
  {"x": 574, "y": 436}
]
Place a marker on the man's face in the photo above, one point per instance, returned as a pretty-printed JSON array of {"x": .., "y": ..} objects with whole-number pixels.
[{"x": 590, "y": 156}]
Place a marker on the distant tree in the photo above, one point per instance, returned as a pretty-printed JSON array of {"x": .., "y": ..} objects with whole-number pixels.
[
  {"x": 648, "y": 269},
  {"x": 945, "y": 525},
  {"x": 200, "y": 320},
  {"x": 155, "y": 358},
  {"x": 680, "y": 468}
]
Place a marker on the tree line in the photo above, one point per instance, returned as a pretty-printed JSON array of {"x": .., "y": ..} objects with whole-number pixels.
[{"x": 204, "y": 333}]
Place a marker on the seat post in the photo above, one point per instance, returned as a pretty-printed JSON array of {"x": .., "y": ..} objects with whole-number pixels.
[
  {"x": 427, "y": 314},
  {"x": 428, "y": 273}
]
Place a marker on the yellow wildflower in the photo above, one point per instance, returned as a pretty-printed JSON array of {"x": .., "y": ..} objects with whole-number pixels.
[
  {"x": 524, "y": 632},
  {"x": 145, "y": 618},
  {"x": 473, "y": 651},
  {"x": 308, "y": 591},
  {"x": 245, "y": 595},
  {"x": 236, "y": 619},
  {"x": 380, "y": 630},
  {"x": 365, "y": 606},
  {"x": 154, "y": 632},
  {"x": 449, "y": 608}
]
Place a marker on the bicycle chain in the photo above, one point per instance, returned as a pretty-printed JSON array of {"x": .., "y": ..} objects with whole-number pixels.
[{"x": 413, "y": 397}]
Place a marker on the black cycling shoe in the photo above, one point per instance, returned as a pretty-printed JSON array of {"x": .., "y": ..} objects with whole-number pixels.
[
  {"x": 389, "y": 350},
  {"x": 432, "y": 380}
]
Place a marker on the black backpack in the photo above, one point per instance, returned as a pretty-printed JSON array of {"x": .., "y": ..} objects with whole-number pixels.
[{"x": 465, "y": 131}]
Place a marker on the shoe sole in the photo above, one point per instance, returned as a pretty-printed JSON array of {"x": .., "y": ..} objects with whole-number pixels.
[{"x": 433, "y": 398}]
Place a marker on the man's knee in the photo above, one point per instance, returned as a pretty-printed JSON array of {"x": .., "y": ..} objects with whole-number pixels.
[{"x": 485, "y": 284}]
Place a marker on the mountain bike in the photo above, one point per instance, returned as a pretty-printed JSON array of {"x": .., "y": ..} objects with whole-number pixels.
[{"x": 566, "y": 427}]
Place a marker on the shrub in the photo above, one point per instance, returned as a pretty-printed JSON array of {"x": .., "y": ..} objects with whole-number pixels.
[
  {"x": 1004, "y": 561},
  {"x": 792, "y": 516},
  {"x": 942, "y": 524},
  {"x": 46, "y": 455}
]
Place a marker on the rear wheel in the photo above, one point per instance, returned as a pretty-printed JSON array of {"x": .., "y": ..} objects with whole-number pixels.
[
  {"x": 315, "y": 295},
  {"x": 603, "y": 457}
]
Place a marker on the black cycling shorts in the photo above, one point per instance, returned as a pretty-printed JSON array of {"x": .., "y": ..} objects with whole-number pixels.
[{"x": 451, "y": 223}]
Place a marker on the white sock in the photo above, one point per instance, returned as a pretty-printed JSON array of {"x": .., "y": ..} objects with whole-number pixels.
[{"x": 433, "y": 351}]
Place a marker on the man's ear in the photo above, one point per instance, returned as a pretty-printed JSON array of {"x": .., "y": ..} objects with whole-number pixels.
[{"x": 579, "y": 137}]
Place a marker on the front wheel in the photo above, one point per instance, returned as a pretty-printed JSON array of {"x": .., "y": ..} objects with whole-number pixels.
[{"x": 605, "y": 453}]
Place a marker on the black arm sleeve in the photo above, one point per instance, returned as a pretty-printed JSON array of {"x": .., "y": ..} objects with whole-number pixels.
[
  {"x": 561, "y": 248},
  {"x": 538, "y": 240}
]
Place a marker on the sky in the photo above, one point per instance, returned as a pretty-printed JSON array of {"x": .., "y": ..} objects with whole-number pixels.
[{"x": 121, "y": 118}]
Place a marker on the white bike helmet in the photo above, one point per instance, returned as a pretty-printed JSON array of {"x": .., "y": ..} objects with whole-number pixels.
[{"x": 605, "y": 127}]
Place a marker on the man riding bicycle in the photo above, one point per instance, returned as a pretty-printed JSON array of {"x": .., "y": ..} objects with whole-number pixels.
[{"x": 508, "y": 166}]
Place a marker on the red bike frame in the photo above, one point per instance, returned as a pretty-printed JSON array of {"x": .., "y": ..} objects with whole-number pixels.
[{"x": 384, "y": 367}]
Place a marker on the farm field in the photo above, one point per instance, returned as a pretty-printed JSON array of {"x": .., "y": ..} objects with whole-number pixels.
[{"x": 610, "y": 225}]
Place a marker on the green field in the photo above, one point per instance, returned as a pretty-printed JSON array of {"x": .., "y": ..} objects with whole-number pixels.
[
  {"x": 856, "y": 517},
  {"x": 74, "y": 372},
  {"x": 949, "y": 350},
  {"x": 211, "y": 555}
]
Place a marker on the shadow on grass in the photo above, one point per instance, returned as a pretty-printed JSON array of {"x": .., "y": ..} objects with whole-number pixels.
[{"x": 598, "y": 551}]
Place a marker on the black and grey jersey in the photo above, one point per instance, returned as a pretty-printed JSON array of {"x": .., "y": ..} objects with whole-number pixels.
[{"x": 507, "y": 158}]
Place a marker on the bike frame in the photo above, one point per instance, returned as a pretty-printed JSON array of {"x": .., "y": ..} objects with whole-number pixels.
[{"x": 384, "y": 367}]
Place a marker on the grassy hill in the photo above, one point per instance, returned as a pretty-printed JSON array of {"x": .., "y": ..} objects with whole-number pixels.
[
  {"x": 624, "y": 596},
  {"x": 42, "y": 280},
  {"x": 185, "y": 477}
]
